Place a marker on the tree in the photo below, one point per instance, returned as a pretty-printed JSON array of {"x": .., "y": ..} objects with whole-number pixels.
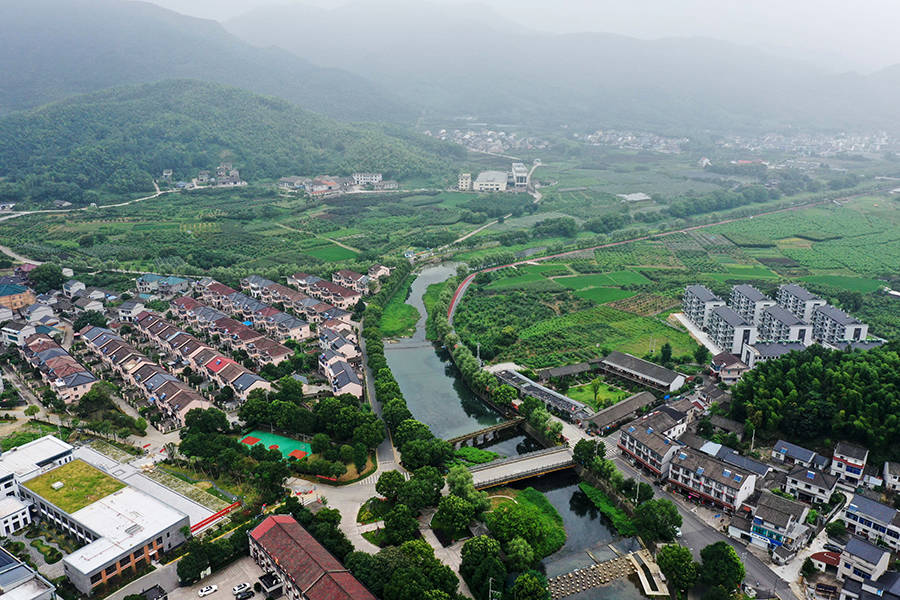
[
  {"x": 31, "y": 410},
  {"x": 90, "y": 317},
  {"x": 701, "y": 355},
  {"x": 389, "y": 484},
  {"x": 716, "y": 592},
  {"x": 476, "y": 551},
  {"x": 596, "y": 384},
  {"x": 656, "y": 520},
  {"x": 836, "y": 528},
  {"x": 585, "y": 450},
  {"x": 459, "y": 482},
  {"x": 721, "y": 566},
  {"x": 678, "y": 566},
  {"x": 400, "y": 525},
  {"x": 47, "y": 277},
  {"x": 530, "y": 585},
  {"x": 504, "y": 395},
  {"x": 453, "y": 515},
  {"x": 198, "y": 420},
  {"x": 665, "y": 353},
  {"x": 320, "y": 443},
  {"x": 519, "y": 554},
  {"x": 808, "y": 567}
]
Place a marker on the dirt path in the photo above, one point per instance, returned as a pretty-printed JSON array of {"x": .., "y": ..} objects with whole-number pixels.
[{"x": 333, "y": 241}]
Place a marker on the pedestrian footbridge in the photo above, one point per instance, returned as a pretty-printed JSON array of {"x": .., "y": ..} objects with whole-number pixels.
[{"x": 524, "y": 466}]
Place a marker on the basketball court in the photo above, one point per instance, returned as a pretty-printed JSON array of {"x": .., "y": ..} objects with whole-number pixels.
[{"x": 288, "y": 447}]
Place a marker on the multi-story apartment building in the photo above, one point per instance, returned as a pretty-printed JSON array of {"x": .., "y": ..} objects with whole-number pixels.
[
  {"x": 831, "y": 325},
  {"x": 749, "y": 302},
  {"x": 519, "y": 176},
  {"x": 464, "y": 182},
  {"x": 711, "y": 480},
  {"x": 698, "y": 302},
  {"x": 810, "y": 485},
  {"x": 366, "y": 178},
  {"x": 778, "y": 324},
  {"x": 875, "y": 521},
  {"x": 848, "y": 463},
  {"x": 892, "y": 476},
  {"x": 729, "y": 330},
  {"x": 798, "y": 300},
  {"x": 297, "y": 566},
  {"x": 650, "y": 440}
]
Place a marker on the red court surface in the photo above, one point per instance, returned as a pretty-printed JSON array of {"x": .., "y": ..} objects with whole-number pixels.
[
  {"x": 250, "y": 440},
  {"x": 298, "y": 454}
]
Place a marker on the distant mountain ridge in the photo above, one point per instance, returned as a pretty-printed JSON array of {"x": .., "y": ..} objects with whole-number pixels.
[
  {"x": 51, "y": 49},
  {"x": 452, "y": 61},
  {"x": 119, "y": 139}
]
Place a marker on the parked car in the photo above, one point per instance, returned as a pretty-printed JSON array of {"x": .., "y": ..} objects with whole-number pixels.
[
  {"x": 240, "y": 588},
  {"x": 833, "y": 548},
  {"x": 245, "y": 595},
  {"x": 206, "y": 591}
]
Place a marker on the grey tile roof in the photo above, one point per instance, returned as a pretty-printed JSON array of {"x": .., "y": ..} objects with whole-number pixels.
[
  {"x": 800, "y": 292},
  {"x": 783, "y": 315},
  {"x": 730, "y": 456},
  {"x": 851, "y": 450},
  {"x": 813, "y": 477},
  {"x": 778, "y": 510},
  {"x": 711, "y": 468},
  {"x": 776, "y": 349},
  {"x": 703, "y": 293},
  {"x": 860, "y": 548},
  {"x": 643, "y": 367},
  {"x": 837, "y": 315},
  {"x": 730, "y": 316},
  {"x": 876, "y": 510},
  {"x": 750, "y": 292},
  {"x": 794, "y": 451}
]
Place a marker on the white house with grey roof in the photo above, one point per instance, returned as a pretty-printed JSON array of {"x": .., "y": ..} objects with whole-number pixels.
[
  {"x": 792, "y": 454},
  {"x": 892, "y": 476},
  {"x": 810, "y": 485},
  {"x": 749, "y": 302},
  {"x": 730, "y": 331},
  {"x": 778, "y": 324},
  {"x": 831, "y": 325},
  {"x": 798, "y": 300},
  {"x": 873, "y": 520},
  {"x": 709, "y": 479},
  {"x": 849, "y": 464},
  {"x": 698, "y": 302},
  {"x": 760, "y": 352},
  {"x": 862, "y": 561}
]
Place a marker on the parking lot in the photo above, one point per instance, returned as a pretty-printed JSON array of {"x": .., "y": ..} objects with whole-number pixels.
[{"x": 240, "y": 571}]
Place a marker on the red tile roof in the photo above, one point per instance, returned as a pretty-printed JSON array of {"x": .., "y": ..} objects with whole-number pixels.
[
  {"x": 219, "y": 363},
  {"x": 220, "y": 288},
  {"x": 306, "y": 562},
  {"x": 336, "y": 289},
  {"x": 186, "y": 303}
]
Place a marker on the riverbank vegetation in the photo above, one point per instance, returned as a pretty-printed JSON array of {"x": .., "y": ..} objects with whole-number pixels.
[{"x": 399, "y": 318}]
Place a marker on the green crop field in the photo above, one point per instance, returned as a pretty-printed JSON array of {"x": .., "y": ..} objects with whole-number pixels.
[
  {"x": 627, "y": 278},
  {"x": 530, "y": 280},
  {"x": 331, "y": 253},
  {"x": 854, "y": 284},
  {"x": 602, "y": 295},
  {"x": 82, "y": 485},
  {"x": 582, "y": 282}
]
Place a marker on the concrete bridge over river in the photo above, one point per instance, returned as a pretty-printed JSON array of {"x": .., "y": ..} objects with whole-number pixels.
[{"x": 524, "y": 466}]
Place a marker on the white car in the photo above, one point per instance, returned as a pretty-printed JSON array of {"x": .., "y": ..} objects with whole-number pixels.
[
  {"x": 678, "y": 532},
  {"x": 240, "y": 588},
  {"x": 206, "y": 591}
]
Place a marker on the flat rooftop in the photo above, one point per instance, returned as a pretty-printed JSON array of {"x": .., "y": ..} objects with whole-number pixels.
[
  {"x": 124, "y": 519},
  {"x": 27, "y": 459},
  {"x": 492, "y": 177},
  {"x": 82, "y": 485}
]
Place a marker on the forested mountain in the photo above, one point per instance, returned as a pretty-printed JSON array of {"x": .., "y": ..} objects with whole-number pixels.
[
  {"x": 818, "y": 397},
  {"x": 467, "y": 60},
  {"x": 51, "y": 49},
  {"x": 117, "y": 139}
]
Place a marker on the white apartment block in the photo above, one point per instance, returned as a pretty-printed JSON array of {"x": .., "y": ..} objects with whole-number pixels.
[
  {"x": 710, "y": 479},
  {"x": 778, "y": 324},
  {"x": 366, "y": 178},
  {"x": 862, "y": 561},
  {"x": 873, "y": 520},
  {"x": 730, "y": 331},
  {"x": 519, "y": 175},
  {"x": 799, "y": 301},
  {"x": 464, "y": 182},
  {"x": 749, "y": 302},
  {"x": 831, "y": 325},
  {"x": 849, "y": 463},
  {"x": 698, "y": 302}
]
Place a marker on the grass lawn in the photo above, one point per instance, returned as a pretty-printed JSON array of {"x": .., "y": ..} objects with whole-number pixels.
[
  {"x": 531, "y": 280},
  {"x": 854, "y": 284},
  {"x": 374, "y": 509},
  {"x": 627, "y": 278},
  {"x": 399, "y": 318},
  {"x": 602, "y": 295},
  {"x": 377, "y": 537},
  {"x": 330, "y": 253},
  {"x": 82, "y": 485},
  {"x": 581, "y": 282},
  {"x": 606, "y": 396}
]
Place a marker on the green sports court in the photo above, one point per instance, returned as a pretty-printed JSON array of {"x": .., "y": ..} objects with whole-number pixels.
[{"x": 288, "y": 447}]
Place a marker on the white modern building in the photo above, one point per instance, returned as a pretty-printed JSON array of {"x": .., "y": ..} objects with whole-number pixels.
[
  {"x": 366, "y": 178},
  {"x": 698, "y": 302},
  {"x": 798, "y": 300},
  {"x": 464, "y": 182},
  {"x": 749, "y": 302},
  {"x": 831, "y": 325},
  {"x": 778, "y": 324},
  {"x": 730, "y": 331},
  {"x": 490, "y": 181},
  {"x": 519, "y": 176},
  {"x": 760, "y": 352}
]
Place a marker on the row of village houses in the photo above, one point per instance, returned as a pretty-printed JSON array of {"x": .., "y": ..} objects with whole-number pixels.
[
  {"x": 717, "y": 475},
  {"x": 325, "y": 185}
]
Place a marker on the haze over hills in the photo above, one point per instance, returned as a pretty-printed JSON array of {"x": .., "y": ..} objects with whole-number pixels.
[
  {"x": 451, "y": 62},
  {"x": 50, "y": 49},
  {"x": 97, "y": 141}
]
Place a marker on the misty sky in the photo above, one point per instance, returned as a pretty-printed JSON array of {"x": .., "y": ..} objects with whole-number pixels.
[{"x": 833, "y": 34}]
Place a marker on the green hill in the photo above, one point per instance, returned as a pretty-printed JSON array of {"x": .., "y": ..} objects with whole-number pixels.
[{"x": 117, "y": 139}]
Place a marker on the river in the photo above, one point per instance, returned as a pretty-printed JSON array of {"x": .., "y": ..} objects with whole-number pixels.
[
  {"x": 428, "y": 379},
  {"x": 436, "y": 395}
]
